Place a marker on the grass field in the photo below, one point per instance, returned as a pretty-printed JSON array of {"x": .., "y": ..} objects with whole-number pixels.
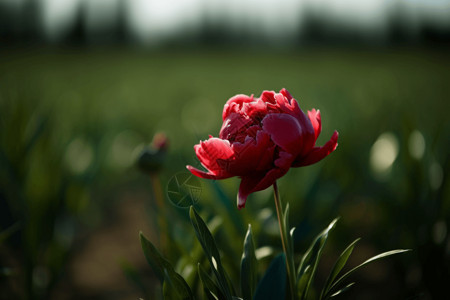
[{"x": 99, "y": 105}]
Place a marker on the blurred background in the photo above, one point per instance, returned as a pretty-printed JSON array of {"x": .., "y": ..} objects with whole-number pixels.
[{"x": 86, "y": 84}]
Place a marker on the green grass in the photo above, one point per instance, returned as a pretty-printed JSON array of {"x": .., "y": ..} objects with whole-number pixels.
[{"x": 114, "y": 99}]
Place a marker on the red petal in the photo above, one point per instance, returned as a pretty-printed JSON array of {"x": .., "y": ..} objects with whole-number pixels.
[
  {"x": 318, "y": 153},
  {"x": 268, "y": 96},
  {"x": 207, "y": 175},
  {"x": 234, "y": 104},
  {"x": 246, "y": 187},
  {"x": 284, "y": 160},
  {"x": 233, "y": 124},
  {"x": 254, "y": 109},
  {"x": 286, "y": 93},
  {"x": 248, "y": 155},
  {"x": 257, "y": 182},
  {"x": 291, "y": 107},
  {"x": 314, "y": 117},
  {"x": 285, "y": 131},
  {"x": 210, "y": 152}
]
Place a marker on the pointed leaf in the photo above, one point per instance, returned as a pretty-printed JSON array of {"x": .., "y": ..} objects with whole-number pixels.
[
  {"x": 273, "y": 284},
  {"x": 175, "y": 288},
  {"x": 289, "y": 237},
  {"x": 230, "y": 284},
  {"x": 249, "y": 266},
  {"x": 165, "y": 272},
  {"x": 310, "y": 260},
  {"x": 210, "y": 289},
  {"x": 340, "y": 263},
  {"x": 286, "y": 216},
  {"x": 344, "y": 289},
  {"x": 338, "y": 282},
  {"x": 154, "y": 258},
  {"x": 212, "y": 253}
]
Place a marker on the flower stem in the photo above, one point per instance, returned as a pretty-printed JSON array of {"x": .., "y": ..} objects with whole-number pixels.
[
  {"x": 285, "y": 241},
  {"x": 162, "y": 217}
]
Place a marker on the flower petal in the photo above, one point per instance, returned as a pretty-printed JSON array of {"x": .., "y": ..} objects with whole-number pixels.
[
  {"x": 257, "y": 182},
  {"x": 316, "y": 121},
  {"x": 210, "y": 152},
  {"x": 285, "y": 131},
  {"x": 233, "y": 124},
  {"x": 234, "y": 104},
  {"x": 249, "y": 155},
  {"x": 246, "y": 187},
  {"x": 268, "y": 96},
  {"x": 318, "y": 153},
  {"x": 207, "y": 175},
  {"x": 286, "y": 93}
]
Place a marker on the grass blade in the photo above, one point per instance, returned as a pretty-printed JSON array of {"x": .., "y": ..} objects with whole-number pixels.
[
  {"x": 249, "y": 266},
  {"x": 165, "y": 272},
  {"x": 212, "y": 253},
  {"x": 338, "y": 282},
  {"x": 344, "y": 289},
  {"x": 211, "y": 290},
  {"x": 310, "y": 260},
  {"x": 340, "y": 263}
]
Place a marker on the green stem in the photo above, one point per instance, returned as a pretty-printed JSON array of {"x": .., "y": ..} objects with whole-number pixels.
[
  {"x": 285, "y": 241},
  {"x": 162, "y": 214}
]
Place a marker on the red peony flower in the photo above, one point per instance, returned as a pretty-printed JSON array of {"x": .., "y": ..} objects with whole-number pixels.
[{"x": 260, "y": 140}]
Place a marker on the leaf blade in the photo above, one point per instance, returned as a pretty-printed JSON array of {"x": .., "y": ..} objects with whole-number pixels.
[
  {"x": 210, "y": 289},
  {"x": 273, "y": 283},
  {"x": 372, "y": 259},
  {"x": 249, "y": 266},
  {"x": 340, "y": 263},
  {"x": 206, "y": 239},
  {"x": 308, "y": 265},
  {"x": 165, "y": 272}
]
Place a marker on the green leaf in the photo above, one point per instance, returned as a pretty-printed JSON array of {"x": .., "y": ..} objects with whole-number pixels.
[
  {"x": 212, "y": 253},
  {"x": 273, "y": 284},
  {"x": 165, "y": 272},
  {"x": 249, "y": 266},
  {"x": 211, "y": 290},
  {"x": 184, "y": 265},
  {"x": 174, "y": 287},
  {"x": 291, "y": 240},
  {"x": 340, "y": 263},
  {"x": 289, "y": 237},
  {"x": 344, "y": 289},
  {"x": 310, "y": 260},
  {"x": 338, "y": 282}
]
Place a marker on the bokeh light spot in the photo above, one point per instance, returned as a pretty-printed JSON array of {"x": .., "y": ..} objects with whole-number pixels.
[
  {"x": 436, "y": 175},
  {"x": 124, "y": 149},
  {"x": 416, "y": 144},
  {"x": 439, "y": 232},
  {"x": 79, "y": 155},
  {"x": 383, "y": 153}
]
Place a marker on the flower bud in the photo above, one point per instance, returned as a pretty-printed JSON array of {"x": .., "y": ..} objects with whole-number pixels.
[{"x": 151, "y": 159}]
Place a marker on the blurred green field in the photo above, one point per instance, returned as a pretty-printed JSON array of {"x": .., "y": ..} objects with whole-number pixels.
[{"x": 72, "y": 121}]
